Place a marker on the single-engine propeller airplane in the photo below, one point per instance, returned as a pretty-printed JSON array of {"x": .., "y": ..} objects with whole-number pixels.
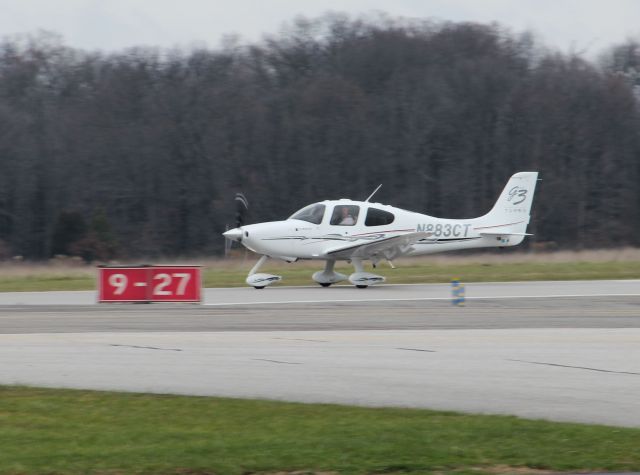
[{"x": 355, "y": 231}]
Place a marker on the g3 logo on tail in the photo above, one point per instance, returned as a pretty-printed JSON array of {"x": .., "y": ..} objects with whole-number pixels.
[{"x": 517, "y": 193}]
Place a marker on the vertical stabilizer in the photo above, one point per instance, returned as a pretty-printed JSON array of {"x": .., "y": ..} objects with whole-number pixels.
[{"x": 510, "y": 214}]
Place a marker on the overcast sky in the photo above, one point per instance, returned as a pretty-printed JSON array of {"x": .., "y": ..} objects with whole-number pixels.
[{"x": 586, "y": 26}]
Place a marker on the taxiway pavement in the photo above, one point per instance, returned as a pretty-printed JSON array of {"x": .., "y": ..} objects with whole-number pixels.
[{"x": 565, "y": 351}]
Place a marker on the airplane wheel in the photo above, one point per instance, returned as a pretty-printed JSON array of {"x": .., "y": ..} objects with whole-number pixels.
[
  {"x": 256, "y": 287},
  {"x": 362, "y": 286},
  {"x": 325, "y": 284}
]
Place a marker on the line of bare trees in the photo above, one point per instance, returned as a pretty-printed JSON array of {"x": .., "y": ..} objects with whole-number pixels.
[{"x": 139, "y": 153}]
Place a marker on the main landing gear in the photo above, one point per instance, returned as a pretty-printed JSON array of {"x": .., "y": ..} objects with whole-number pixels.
[
  {"x": 325, "y": 278},
  {"x": 328, "y": 276},
  {"x": 362, "y": 279},
  {"x": 359, "y": 278}
]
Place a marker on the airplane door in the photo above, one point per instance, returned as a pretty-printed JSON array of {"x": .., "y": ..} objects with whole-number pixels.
[{"x": 344, "y": 218}]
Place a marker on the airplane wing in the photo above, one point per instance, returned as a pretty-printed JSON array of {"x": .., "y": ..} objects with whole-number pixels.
[{"x": 385, "y": 247}]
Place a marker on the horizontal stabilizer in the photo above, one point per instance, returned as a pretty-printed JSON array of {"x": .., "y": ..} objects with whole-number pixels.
[{"x": 506, "y": 233}]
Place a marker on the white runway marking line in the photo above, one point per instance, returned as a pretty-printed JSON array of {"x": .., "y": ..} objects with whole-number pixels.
[{"x": 415, "y": 299}]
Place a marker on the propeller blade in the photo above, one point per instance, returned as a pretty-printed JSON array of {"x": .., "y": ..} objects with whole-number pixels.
[{"x": 242, "y": 206}]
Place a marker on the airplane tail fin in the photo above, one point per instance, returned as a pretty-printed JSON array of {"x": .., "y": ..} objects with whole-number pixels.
[{"x": 510, "y": 215}]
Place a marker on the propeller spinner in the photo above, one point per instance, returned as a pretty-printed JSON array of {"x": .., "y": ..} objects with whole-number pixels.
[{"x": 242, "y": 206}]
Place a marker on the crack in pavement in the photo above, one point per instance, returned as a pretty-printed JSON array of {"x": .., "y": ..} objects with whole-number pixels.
[
  {"x": 575, "y": 367},
  {"x": 147, "y": 347},
  {"x": 417, "y": 349},
  {"x": 274, "y": 361},
  {"x": 300, "y": 339}
]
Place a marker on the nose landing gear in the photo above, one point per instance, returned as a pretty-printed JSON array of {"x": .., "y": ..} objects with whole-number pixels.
[{"x": 258, "y": 280}]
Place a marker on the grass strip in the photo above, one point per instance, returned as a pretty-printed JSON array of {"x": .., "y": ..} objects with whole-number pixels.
[
  {"x": 89, "y": 432},
  {"x": 300, "y": 274}
]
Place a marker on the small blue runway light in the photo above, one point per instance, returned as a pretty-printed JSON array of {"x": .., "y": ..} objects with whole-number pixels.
[{"x": 457, "y": 293}]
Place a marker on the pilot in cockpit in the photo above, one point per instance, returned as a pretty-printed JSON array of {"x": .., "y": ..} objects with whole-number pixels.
[{"x": 346, "y": 218}]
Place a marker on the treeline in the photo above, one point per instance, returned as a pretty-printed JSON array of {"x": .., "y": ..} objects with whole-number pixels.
[{"x": 139, "y": 153}]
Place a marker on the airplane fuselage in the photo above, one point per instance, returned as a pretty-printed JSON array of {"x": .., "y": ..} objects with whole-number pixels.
[{"x": 293, "y": 239}]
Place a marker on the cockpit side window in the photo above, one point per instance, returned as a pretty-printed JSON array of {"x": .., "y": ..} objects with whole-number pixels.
[
  {"x": 378, "y": 217},
  {"x": 345, "y": 215},
  {"x": 312, "y": 213}
]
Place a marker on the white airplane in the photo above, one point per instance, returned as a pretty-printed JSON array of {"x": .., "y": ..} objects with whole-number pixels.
[{"x": 356, "y": 231}]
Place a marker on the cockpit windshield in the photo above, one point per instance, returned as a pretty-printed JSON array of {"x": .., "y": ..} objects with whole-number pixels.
[{"x": 312, "y": 213}]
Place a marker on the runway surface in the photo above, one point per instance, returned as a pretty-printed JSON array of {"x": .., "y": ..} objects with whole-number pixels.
[
  {"x": 348, "y": 293},
  {"x": 565, "y": 351}
]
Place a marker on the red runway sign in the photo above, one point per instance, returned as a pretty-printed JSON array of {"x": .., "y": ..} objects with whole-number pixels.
[{"x": 149, "y": 284}]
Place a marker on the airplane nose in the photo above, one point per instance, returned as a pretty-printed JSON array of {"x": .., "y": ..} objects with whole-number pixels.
[{"x": 234, "y": 234}]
